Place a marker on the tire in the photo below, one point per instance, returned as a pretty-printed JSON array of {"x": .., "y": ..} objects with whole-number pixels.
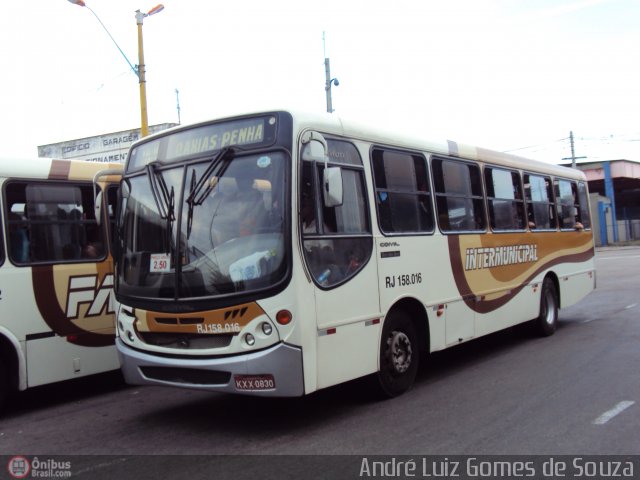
[
  {"x": 399, "y": 356},
  {"x": 547, "y": 321}
]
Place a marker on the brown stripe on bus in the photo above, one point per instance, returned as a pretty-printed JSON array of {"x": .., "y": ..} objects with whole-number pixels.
[
  {"x": 59, "y": 170},
  {"x": 487, "y": 306},
  {"x": 44, "y": 291}
]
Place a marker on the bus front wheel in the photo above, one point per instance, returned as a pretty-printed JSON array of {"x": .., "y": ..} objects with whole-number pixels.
[
  {"x": 399, "y": 355},
  {"x": 547, "y": 320}
]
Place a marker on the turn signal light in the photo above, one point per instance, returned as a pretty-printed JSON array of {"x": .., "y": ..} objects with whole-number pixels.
[{"x": 284, "y": 317}]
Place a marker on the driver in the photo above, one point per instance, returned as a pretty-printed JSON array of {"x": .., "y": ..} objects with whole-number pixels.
[{"x": 241, "y": 212}]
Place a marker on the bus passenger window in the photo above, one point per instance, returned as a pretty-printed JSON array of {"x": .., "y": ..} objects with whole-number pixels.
[
  {"x": 504, "y": 198},
  {"x": 403, "y": 199},
  {"x": 583, "y": 211},
  {"x": 337, "y": 240},
  {"x": 459, "y": 197},
  {"x": 567, "y": 203},
  {"x": 539, "y": 198},
  {"x": 52, "y": 222}
]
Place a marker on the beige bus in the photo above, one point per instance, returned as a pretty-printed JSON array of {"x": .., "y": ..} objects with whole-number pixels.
[
  {"x": 56, "y": 274},
  {"x": 279, "y": 253}
]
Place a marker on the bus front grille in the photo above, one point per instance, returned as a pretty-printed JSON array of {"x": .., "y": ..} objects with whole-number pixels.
[
  {"x": 191, "y": 376},
  {"x": 185, "y": 341}
]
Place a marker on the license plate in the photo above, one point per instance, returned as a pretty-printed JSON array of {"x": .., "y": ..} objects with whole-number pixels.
[{"x": 254, "y": 382}]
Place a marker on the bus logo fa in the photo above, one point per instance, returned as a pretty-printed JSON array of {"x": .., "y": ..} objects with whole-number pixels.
[{"x": 85, "y": 289}]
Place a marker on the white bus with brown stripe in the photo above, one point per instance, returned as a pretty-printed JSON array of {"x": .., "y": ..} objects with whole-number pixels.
[
  {"x": 279, "y": 253},
  {"x": 56, "y": 274}
]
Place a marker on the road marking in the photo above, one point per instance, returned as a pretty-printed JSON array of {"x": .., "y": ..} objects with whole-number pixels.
[
  {"x": 619, "y": 408},
  {"x": 621, "y": 257},
  {"x": 628, "y": 307}
]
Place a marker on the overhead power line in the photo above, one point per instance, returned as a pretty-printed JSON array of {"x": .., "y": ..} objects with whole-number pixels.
[{"x": 536, "y": 146}]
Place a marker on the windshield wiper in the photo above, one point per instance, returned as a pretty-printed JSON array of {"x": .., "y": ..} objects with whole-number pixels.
[
  {"x": 200, "y": 190},
  {"x": 164, "y": 200},
  {"x": 196, "y": 194}
]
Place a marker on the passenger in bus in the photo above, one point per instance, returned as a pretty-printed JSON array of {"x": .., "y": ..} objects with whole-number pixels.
[
  {"x": 19, "y": 239},
  {"x": 530, "y": 218},
  {"x": 308, "y": 217},
  {"x": 92, "y": 250},
  {"x": 252, "y": 210},
  {"x": 307, "y": 214},
  {"x": 320, "y": 252}
]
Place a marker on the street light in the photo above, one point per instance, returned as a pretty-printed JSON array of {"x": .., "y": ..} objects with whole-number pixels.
[
  {"x": 144, "y": 129},
  {"x": 139, "y": 69}
]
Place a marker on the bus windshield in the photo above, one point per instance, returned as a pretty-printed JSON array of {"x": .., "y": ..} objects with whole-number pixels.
[{"x": 207, "y": 228}]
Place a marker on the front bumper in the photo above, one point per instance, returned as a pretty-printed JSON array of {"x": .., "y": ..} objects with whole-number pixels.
[{"x": 282, "y": 362}]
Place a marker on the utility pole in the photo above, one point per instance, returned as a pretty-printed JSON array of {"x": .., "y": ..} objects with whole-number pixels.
[
  {"x": 139, "y": 69},
  {"x": 573, "y": 157},
  {"x": 328, "y": 80}
]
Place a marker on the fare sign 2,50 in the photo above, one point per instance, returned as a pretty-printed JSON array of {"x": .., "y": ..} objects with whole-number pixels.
[{"x": 160, "y": 263}]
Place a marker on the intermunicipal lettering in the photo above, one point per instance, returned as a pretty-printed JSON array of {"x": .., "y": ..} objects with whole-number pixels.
[{"x": 490, "y": 257}]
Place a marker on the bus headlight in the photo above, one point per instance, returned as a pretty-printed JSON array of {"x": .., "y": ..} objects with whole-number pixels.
[
  {"x": 250, "y": 339},
  {"x": 267, "y": 329}
]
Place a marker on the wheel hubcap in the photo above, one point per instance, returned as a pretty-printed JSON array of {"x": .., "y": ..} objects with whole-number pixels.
[
  {"x": 400, "y": 352},
  {"x": 550, "y": 313}
]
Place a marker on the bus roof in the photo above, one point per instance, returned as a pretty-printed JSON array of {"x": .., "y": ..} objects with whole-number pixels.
[
  {"x": 331, "y": 123},
  {"x": 357, "y": 130},
  {"x": 52, "y": 169}
]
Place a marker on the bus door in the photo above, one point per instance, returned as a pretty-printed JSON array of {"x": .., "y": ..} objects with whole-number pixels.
[{"x": 337, "y": 245}]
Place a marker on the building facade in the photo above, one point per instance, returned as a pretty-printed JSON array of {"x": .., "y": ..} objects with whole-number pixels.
[{"x": 107, "y": 148}]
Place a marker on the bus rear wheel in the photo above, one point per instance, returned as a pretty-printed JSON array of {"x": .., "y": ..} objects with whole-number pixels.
[
  {"x": 399, "y": 355},
  {"x": 547, "y": 320}
]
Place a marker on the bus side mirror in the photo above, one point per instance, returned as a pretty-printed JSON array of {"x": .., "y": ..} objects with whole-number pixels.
[
  {"x": 315, "y": 147},
  {"x": 97, "y": 208},
  {"x": 332, "y": 186},
  {"x": 316, "y": 150}
]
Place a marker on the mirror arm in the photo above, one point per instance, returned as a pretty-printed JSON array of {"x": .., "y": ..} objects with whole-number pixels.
[{"x": 102, "y": 173}]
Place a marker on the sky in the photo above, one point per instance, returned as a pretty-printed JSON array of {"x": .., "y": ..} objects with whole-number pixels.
[{"x": 512, "y": 75}]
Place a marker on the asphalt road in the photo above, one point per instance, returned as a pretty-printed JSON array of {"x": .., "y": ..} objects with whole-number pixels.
[{"x": 575, "y": 393}]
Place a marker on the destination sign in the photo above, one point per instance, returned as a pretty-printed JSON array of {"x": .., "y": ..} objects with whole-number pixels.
[{"x": 205, "y": 139}]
